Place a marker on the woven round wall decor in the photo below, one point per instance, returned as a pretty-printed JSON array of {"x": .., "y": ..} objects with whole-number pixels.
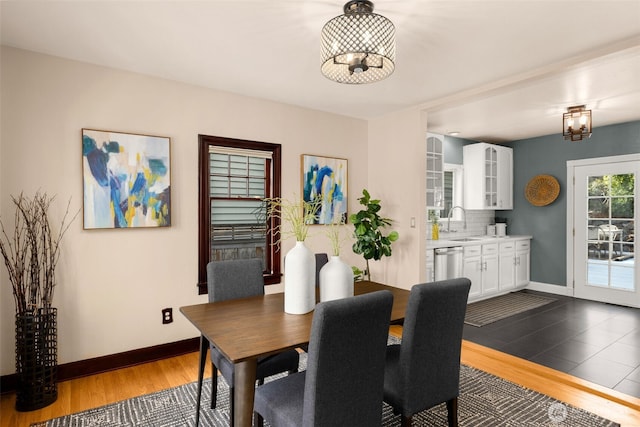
[{"x": 542, "y": 190}]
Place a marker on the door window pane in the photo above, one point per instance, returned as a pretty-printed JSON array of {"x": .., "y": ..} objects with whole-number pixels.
[{"x": 611, "y": 231}]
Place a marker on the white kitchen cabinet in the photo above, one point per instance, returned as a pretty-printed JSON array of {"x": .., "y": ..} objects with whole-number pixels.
[
  {"x": 507, "y": 279},
  {"x": 523, "y": 263},
  {"x": 480, "y": 265},
  {"x": 514, "y": 264},
  {"x": 472, "y": 269},
  {"x": 435, "y": 171},
  {"x": 488, "y": 176},
  {"x": 490, "y": 269}
]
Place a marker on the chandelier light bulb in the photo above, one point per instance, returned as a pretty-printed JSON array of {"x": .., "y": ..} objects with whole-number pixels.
[{"x": 583, "y": 117}]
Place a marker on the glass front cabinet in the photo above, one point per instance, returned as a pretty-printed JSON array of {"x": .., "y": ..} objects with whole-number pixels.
[
  {"x": 435, "y": 171},
  {"x": 488, "y": 176}
]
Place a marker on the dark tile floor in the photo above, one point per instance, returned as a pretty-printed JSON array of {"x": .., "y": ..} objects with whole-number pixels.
[{"x": 591, "y": 340}]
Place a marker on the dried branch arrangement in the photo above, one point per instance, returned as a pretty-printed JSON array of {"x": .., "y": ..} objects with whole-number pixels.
[
  {"x": 32, "y": 252},
  {"x": 336, "y": 236},
  {"x": 295, "y": 217}
]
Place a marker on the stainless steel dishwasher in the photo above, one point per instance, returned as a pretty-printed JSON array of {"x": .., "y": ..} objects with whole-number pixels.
[{"x": 448, "y": 263}]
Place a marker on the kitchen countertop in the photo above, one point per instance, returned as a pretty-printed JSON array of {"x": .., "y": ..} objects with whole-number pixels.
[{"x": 471, "y": 240}]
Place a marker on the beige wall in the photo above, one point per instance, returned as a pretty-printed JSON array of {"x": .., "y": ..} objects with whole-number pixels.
[
  {"x": 113, "y": 283},
  {"x": 397, "y": 163}
]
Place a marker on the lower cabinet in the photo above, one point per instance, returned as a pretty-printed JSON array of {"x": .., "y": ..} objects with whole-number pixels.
[
  {"x": 472, "y": 269},
  {"x": 490, "y": 268},
  {"x": 523, "y": 262},
  {"x": 480, "y": 265},
  {"x": 495, "y": 268},
  {"x": 507, "y": 279}
]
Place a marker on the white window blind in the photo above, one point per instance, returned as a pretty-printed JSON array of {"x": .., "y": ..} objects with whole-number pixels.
[{"x": 237, "y": 185}]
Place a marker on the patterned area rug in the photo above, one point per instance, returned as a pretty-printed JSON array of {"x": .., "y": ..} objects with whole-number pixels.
[
  {"x": 491, "y": 310},
  {"x": 485, "y": 401}
]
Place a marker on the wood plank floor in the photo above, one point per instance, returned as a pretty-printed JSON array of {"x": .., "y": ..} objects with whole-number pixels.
[{"x": 96, "y": 390}]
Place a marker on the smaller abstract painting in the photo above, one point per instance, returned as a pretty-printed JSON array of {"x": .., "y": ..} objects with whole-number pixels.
[
  {"x": 324, "y": 179},
  {"x": 126, "y": 179}
]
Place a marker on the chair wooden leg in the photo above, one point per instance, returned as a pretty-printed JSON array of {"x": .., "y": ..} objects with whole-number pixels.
[
  {"x": 452, "y": 412},
  {"x": 214, "y": 386},
  {"x": 406, "y": 421}
]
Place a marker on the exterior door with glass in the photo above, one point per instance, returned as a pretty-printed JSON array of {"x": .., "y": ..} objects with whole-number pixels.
[{"x": 605, "y": 218}]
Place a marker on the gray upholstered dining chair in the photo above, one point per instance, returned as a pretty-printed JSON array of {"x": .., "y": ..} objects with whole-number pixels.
[
  {"x": 342, "y": 385},
  {"x": 321, "y": 259},
  {"x": 234, "y": 279},
  {"x": 424, "y": 370}
]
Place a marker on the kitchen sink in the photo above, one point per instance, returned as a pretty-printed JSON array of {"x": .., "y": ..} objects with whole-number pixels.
[{"x": 467, "y": 239}]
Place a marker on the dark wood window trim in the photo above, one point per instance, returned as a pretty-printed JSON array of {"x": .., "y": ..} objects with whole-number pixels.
[{"x": 273, "y": 273}]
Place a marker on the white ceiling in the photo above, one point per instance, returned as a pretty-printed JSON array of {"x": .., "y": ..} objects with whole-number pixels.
[{"x": 493, "y": 70}]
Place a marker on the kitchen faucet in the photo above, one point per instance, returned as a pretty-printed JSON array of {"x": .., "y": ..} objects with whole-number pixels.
[{"x": 464, "y": 215}]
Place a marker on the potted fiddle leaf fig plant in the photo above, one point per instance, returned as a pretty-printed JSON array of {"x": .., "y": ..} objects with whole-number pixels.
[
  {"x": 371, "y": 241},
  {"x": 31, "y": 254}
]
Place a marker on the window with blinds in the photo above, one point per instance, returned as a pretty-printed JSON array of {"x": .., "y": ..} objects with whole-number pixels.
[
  {"x": 237, "y": 185},
  {"x": 234, "y": 178}
]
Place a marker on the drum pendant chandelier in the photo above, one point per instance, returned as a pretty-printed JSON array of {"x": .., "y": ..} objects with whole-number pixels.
[{"x": 359, "y": 46}]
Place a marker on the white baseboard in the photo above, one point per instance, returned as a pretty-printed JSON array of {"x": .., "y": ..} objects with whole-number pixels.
[{"x": 551, "y": 289}]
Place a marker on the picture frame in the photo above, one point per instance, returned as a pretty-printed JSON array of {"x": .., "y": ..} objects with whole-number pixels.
[
  {"x": 126, "y": 180},
  {"x": 325, "y": 179}
]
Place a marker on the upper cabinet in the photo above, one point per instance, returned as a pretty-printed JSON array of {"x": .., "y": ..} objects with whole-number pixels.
[
  {"x": 488, "y": 176},
  {"x": 435, "y": 171}
]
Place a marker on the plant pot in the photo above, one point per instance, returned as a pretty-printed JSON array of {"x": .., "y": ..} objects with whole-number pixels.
[
  {"x": 299, "y": 280},
  {"x": 36, "y": 359},
  {"x": 336, "y": 280}
]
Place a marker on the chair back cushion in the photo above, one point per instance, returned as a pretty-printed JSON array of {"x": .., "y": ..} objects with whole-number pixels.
[
  {"x": 232, "y": 279},
  {"x": 321, "y": 259},
  {"x": 429, "y": 361},
  {"x": 345, "y": 365}
]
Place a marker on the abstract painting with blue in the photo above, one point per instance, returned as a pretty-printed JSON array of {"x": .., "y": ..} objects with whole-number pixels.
[
  {"x": 324, "y": 180},
  {"x": 126, "y": 179}
]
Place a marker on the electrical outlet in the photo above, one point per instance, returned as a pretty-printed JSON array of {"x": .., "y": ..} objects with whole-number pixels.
[{"x": 167, "y": 315}]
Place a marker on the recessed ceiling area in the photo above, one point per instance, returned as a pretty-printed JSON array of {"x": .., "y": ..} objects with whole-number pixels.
[
  {"x": 609, "y": 86},
  {"x": 493, "y": 70}
]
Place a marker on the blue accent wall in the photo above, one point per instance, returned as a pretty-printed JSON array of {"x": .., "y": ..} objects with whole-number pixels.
[
  {"x": 547, "y": 224},
  {"x": 453, "y": 149}
]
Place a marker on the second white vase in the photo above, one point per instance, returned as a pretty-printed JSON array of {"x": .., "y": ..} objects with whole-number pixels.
[
  {"x": 299, "y": 280},
  {"x": 336, "y": 280}
]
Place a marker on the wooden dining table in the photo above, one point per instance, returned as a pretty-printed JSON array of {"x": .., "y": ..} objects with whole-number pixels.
[{"x": 248, "y": 328}]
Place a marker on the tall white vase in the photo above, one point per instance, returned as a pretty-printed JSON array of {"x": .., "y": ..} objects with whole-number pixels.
[
  {"x": 299, "y": 280},
  {"x": 336, "y": 280}
]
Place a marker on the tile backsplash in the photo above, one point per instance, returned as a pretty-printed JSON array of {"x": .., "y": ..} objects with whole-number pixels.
[{"x": 477, "y": 221}]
